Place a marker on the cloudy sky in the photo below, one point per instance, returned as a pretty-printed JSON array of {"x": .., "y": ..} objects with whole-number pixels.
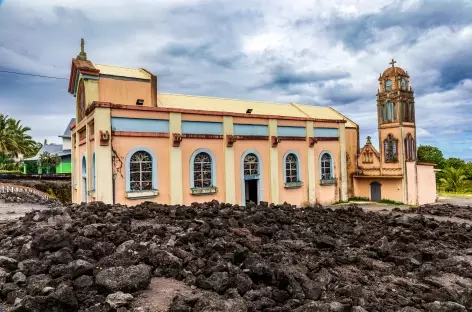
[{"x": 317, "y": 52}]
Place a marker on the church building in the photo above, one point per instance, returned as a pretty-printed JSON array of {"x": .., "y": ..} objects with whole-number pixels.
[{"x": 132, "y": 143}]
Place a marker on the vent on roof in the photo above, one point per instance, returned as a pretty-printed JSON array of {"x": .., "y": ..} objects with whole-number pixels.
[
  {"x": 249, "y": 110},
  {"x": 139, "y": 102}
]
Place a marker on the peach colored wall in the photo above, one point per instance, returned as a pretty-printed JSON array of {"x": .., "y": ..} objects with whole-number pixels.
[
  {"x": 262, "y": 147},
  {"x": 293, "y": 123},
  {"x": 195, "y": 117},
  {"x": 298, "y": 195},
  {"x": 390, "y": 189},
  {"x": 426, "y": 184},
  {"x": 351, "y": 161},
  {"x": 160, "y": 146},
  {"x": 189, "y": 146},
  {"x": 412, "y": 190},
  {"x": 327, "y": 194},
  {"x": 138, "y": 114},
  {"x": 318, "y": 124},
  {"x": 396, "y": 132},
  {"x": 250, "y": 121},
  {"x": 124, "y": 91}
]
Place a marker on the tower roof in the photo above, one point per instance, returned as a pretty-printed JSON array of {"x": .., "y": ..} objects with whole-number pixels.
[{"x": 394, "y": 70}]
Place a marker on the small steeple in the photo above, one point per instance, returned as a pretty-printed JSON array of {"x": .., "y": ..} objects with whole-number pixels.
[{"x": 82, "y": 55}]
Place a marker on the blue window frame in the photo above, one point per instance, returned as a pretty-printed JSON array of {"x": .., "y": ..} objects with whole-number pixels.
[
  {"x": 141, "y": 170},
  {"x": 388, "y": 85},
  {"x": 326, "y": 165},
  {"x": 202, "y": 169},
  {"x": 291, "y": 162}
]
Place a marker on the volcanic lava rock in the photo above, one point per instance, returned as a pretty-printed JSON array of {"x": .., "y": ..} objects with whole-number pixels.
[
  {"x": 265, "y": 258},
  {"x": 119, "y": 299},
  {"x": 128, "y": 279},
  {"x": 8, "y": 263}
]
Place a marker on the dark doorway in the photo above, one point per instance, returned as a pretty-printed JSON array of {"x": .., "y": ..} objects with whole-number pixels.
[
  {"x": 252, "y": 190},
  {"x": 375, "y": 191}
]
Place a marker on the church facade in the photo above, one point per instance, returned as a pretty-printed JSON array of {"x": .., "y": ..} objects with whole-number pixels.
[{"x": 131, "y": 143}]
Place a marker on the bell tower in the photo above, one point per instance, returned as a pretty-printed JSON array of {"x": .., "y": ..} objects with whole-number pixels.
[{"x": 396, "y": 120}]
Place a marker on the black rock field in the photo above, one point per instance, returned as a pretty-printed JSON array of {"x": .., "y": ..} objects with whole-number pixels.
[{"x": 99, "y": 258}]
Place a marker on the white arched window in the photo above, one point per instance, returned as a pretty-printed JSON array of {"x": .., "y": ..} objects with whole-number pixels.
[
  {"x": 141, "y": 173},
  {"x": 326, "y": 168},
  {"x": 202, "y": 172},
  {"x": 251, "y": 165},
  {"x": 291, "y": 162}
]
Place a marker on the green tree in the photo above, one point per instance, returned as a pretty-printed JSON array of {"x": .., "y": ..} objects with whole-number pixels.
[
  {"x": 14, "y": 139},
  {"x": 49, "y": 161},
  {"x": 455, "y": 163},
  {"x": 431, "y": 154},
  {"x": 468, "y": 170},
  {"x": 453, "y": 179}
]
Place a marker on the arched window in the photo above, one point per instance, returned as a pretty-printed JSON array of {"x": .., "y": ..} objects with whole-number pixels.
[
  {"x": 292, "y": 167},
  {"x": 251, "y": 164},
  {"x": 408, "y": 112},
  {"x": 390, "y": 149},
  {"x": 93, "y": 171},
  {"x": 388, "y": 85},
  {"x": 202, "y": 169},
  {"x": 410, "y": 148},
  {"x": 84, "y": 167},
  {"x": 141, "y": 171},
  {"x": 326, "y": 166},
  {"x": 403, "y": 82},
  {"x": 389, "y": 111}
]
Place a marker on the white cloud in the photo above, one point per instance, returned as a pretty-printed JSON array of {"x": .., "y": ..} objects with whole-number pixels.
[{"x": 228, "y": 48}]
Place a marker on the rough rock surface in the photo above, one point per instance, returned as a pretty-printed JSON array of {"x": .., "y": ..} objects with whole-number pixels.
[
  {"x": 28, "y": 198},
  {"x": 97, "y": 257},
  {"x": 443, "y": 210}
]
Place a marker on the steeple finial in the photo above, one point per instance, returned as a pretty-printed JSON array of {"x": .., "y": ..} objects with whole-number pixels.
[
  {"x": 393, "y": 63},
  {"x": 368, "y": 140},
  {"x": 82, "y": 55}
]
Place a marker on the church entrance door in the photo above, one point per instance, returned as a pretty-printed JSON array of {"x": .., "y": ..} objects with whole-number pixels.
[
  {"x": 252, "y": 190},
  {"x": 375, "y": 191}
]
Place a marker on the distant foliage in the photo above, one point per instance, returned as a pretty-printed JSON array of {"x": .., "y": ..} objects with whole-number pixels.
[
  {"x": 453, "y": 179},
  {"x": 430, "y": 154},
  {"x": 48, "y": 162}
]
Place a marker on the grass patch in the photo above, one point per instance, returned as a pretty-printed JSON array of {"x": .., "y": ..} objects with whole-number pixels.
[
  {"x": 363, "y": 199},
  {"x": 390, "y": 202},
  {"x": 455, "y": 194}
]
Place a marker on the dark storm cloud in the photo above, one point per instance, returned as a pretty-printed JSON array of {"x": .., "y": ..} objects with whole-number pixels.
[
  {"x": 282, "y": 76},
  {"x": 358, "y": 32},
  {"x": 203, "y": 53}
]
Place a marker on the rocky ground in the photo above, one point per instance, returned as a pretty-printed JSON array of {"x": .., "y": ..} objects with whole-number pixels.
[
  {"x": 98, "y": 258},
  {"x": 444, "y": 210},
  {"x": 28, "y": 198}
]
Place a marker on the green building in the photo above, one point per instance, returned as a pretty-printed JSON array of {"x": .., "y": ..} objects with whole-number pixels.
[{"x": 32, "y": 166}]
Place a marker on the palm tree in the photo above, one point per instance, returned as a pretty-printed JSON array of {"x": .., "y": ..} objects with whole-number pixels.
[
  {"x": 14, "y": 139},
  {"x": 454, "y": 179}
]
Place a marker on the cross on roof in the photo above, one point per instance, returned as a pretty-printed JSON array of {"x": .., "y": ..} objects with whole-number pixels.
[
  {"x": 82, "y": 55},
  {"x": 393, "y": 63}
]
